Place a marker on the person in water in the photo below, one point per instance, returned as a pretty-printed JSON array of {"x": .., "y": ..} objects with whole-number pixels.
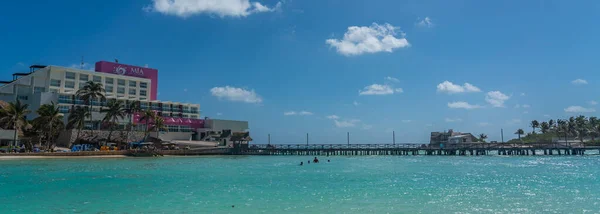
[
  {"x": 309, "y": 161},
  {"x": 315, "y": 160},
  {"x": 301, "y": 163},
  {"x": 328, "y": 161}
]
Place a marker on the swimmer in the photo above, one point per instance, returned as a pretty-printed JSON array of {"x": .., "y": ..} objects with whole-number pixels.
[
  {"x": 301, "y": 163},
  {"x": 328, "y": 161},
  {"x": 315, "y": 160}
]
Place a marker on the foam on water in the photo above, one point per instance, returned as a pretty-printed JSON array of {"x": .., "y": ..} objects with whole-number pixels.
[{"x": 273, "y": 184}]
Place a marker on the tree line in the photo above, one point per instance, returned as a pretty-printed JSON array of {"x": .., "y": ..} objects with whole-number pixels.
[
  {"x": 46, "y": 127},
  {"x": 580, "y": 127}
]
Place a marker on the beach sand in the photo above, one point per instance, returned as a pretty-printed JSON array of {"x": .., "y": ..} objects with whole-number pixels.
[{"x": 14, "y": 157}]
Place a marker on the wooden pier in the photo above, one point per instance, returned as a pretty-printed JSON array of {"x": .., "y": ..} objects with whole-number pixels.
[{"x": 460, "y": 149}]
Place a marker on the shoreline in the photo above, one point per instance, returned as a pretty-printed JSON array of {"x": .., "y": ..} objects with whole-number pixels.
[{"x": 16, "y": 157}]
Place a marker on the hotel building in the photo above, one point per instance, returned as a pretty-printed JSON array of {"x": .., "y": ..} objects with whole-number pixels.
[{"x": 46, "y": 84}]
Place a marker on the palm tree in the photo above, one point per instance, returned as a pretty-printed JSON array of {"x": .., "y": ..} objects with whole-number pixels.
[
  {"x": 482, "y": 137},
  {"x": 520, "y": 132},
  {"x": 49, "y": 122},
  {"x": 147, "y": 116},
  {"x": 534, "y": 124},
  {"x": 90, "y": 92},
  {"x": 76, "y": 119},
  {"x": 159, "y": 124},
  {"x": 14, "y": 114},
  {"x": 581, "y": 125},
  {"x": 593, "y": 122},
  {"x": 551, "y": 124},
  {"x": 544, "y": 127},
  {"x": 113, "y": 113},
  {"x": 133, "y": 108}
]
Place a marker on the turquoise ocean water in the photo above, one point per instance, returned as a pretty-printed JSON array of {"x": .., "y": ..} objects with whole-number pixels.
[{"x": 276, "y": 184}]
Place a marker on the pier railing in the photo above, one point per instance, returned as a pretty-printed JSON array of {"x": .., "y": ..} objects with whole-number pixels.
[{"x": 455, "y": 146}]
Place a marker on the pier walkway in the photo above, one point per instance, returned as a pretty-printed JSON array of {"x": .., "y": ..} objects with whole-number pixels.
[{"x": 460, "y": 149}]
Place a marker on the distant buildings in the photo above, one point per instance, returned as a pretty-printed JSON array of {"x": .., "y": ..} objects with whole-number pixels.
[{"x": 451, "y": 136}]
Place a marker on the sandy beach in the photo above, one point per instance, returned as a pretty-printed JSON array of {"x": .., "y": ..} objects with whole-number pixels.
[{"x": 14, "y": 157}]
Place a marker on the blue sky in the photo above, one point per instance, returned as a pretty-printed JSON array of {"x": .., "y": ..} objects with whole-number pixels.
[{"x": 331, "y": 67}]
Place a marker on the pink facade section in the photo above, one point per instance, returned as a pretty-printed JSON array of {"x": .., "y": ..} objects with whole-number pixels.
[{"x": 133, "y": 71}]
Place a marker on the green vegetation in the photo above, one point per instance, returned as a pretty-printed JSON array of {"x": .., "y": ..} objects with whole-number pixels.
[
  {"x": 45, "y": 129},
  {"x": 580, "y": 127}
]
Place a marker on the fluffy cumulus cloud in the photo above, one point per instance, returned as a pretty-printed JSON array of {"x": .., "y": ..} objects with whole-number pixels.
[
  {"x": 463, "y": 105},
  {"x": 496, "y": 98},
  {"x": 236, "y": 94},
  {"x": 579, "y": 109},
  {"x": 451, "y": 88},
  {"x": 579, "y": 82},
  {"x": 592, "y": 102},
  {"x": 372, "y": 39},
  {"x": 425, "y": 22},
  {"x": 367, "y": 127},
  {"x": 484, "y": 124},
  {"x": 221, "y": 8},
  {"x": 377, "y": 89},
  {"x": 453, "y": 120},
  {"x": 406, "y": 121},
  {"x": 355, "y": 103},
  {"x": 302, "y": 113}
]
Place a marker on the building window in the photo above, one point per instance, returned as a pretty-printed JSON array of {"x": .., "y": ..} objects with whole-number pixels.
[
  {"x": 109, "y": 80},
  {"x": 143, "y": 85},
  {"x": 143, "y": 93},
  {"x": 132, "y": 91},
  {"x": 121, "y": 82},
  {"x": 83, "y": 77},
  {"x": 143, "y": 98},
  {"x": 55, "y": 83},
  {"x": 194, "y": 116},
  {"x": 108, "y": 88},
  {"x": 97, "y": 79},
  {"x": 173, "y": 128},
  {"x": 81, "y": 84},
  {"x": 63, "y": 109},
  {"x": 132, "y": 83},
  {"x": 38, "y": 89},
  {"x": 69, "y": 75},
  {"x": 21, "y": 97},
  {"x": 69, "y": 84},
  {"x": 54, "y": 90},
  {"x": 120, "y": 90}
]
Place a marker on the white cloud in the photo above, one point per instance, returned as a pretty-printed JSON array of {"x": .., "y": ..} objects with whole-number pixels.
[
  {"x": 367, "y": 127},
  {"x": 406, "y": 121},
  {"x": 496, "y": 98},
  {"x": 185, "y": 90},
  {"x": 377, "y": 89},
  {"x": 303, "y": 113},
  {"x": 219, "y": 114},
  {"x": 355, "y": 103},
  {"x": 451, "y": 88},
  {"x": 452, "y": 120},
  {"x": 333, "y": 117},
  {"x": 593, "y": 103},
  {"x": 517, "y": 106},
  {"x": 484, "y": 124},
  {"x": 373, "y": 39},
  {"x": 525, "y": 112},
  {"x": 236, "y": 94},
  {"x": 579, "y": 109},
  {"x": 525, "y": 106},
  {"x": 463, "y": 105},
  {"x": 579, "y": 82},
  {"x": 221, "y": 8},
  {"x": 426, "y": 22},
  {"x": 546, "y": 115},
  {"x": 392, "y": 79},
  {"x": 522, "y": 94},
  {"x": 346, "y": 123}
]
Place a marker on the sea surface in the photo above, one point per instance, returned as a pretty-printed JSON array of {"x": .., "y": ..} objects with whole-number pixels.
[{"x": 277, "y": 184}]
